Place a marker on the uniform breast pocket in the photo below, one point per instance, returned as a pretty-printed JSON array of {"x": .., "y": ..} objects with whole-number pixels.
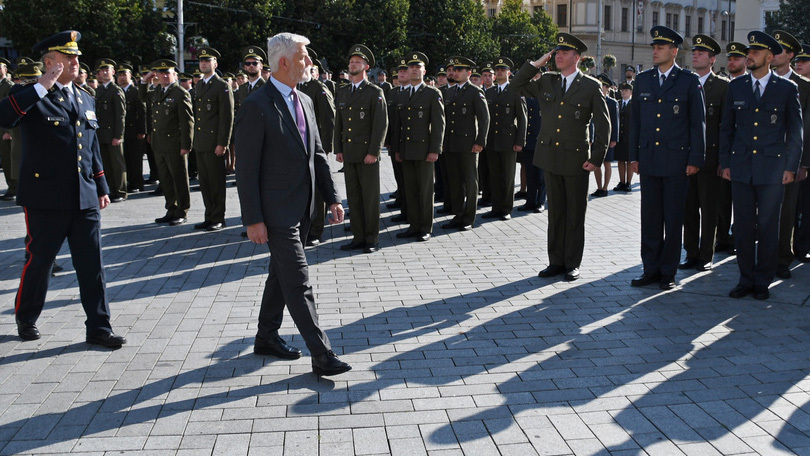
[
  {"x": 57, "y": 121},
  {"x": 774, "y": 114},
  {"x": 92, "y": 124},
  {"x": 676, "y": 106}
]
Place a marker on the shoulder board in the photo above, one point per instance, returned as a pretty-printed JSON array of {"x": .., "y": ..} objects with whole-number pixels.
[{"x": 84, "y": 89}]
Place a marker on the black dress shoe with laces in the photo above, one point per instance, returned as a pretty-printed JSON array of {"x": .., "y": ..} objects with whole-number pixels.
[
  {"x": 165, "y": 219},
  {"x": 645, "y": 279},
  {"x": 740, "y": 291},
  {"x": 551, "y": 271},
  {"x": 761, "y": 293},
  {"x": 275, "y": 346},
  {"x": 352, "y": 246},
  {"x": 177, "y": 221},
  {"x": 423, "y": 237},
  {"x": 329, "y": 364},
  {"x": 688, "y": 263},
  {"x": 106, "y": 340},
  {"x": 27, "y": 331},
  {"x": 783, "y": 272},
  {"x": 371, "y": 248}
]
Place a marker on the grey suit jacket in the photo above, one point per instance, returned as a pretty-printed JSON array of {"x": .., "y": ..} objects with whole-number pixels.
[{"x": 277, "y": 172}]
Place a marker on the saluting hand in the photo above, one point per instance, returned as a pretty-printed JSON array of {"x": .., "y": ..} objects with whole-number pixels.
[
  {"x": 543, "y": 60},
  {"x": 51, "y": 75}
]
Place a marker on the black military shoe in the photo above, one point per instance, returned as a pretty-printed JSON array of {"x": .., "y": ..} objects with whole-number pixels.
[
  {"x": 740, "y": 291},
  {"x": 216, "y": 226},
  {"x": 551, "y": 271},
  {"x": 165, "y": 219},
  {"x": 571, "y": 274},
  {"x": 329, "y": 364},
  {"x": 352, "y": 246},
  {"x": 275, "y": 346},
  {"x": 761, "y": 293},
  {"x": 667, "y": 283},
  {"x": 107, "y": 340},
  {"x": 27, "y": 331},
  {"x": 645, "y": 279},
  {"x": 783, "y": 272},
  {"x": 202, "y": 225},
  {"x": 688, "y": 263}
]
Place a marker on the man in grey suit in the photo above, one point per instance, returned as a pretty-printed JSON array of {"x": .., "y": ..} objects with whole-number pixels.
[{"x": 281, "y": 159}]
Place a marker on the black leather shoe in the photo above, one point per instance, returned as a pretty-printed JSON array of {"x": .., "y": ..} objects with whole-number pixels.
[
  {"x": 393, "y": 195},
  {"x": 704, "y": 266},
  {"x": 571, "y": 274},
  {"x": 761, "y": 293},
  {"x": 312, "y": 241},
  {"x": 619, "y": 187},
  {"x": 8, "y": 196},
  {"x": 177, "y": 221},
  {"x": 551, "y": 271},
  {"x": 688, "y": 263},
  {"x": 490, "y": 215},
  {"x": 423, "y": 237},
  {"x": 329, "y": 364},
  {"x": 465, "y": 227},
  {"x": 165, "y": 219},
  {"x": 520, "y": 195},
  {"x": 56, "y": 267},
  {"x": 27, "y": 331},
  {"x": 443, "y": 210},
  {"x": 526, "y": 208},
  {"x": 783, "y": 272},
  {"x": 452, "y": 225},
  {"x": 216, "y": 226},
  {"x": 399, "y": 218},
  {"x": 107, "y": 340},
  {"x": 407, "y": 234},
  {"x": 667, "y": 283},
  {"x": 645, "y": 279},
  {"x": 117, "y": 199},
  {"x": 732, "y": 250},
  {"x": 352, "y": 246},
  {"x": 275, "y": 346},
  {"x": 740, "y": 291},
  {"x": 505, "y": 217},
  {"x": 202, "y": 226},
  {"x": 371, "y": 248},
  {"x": 393, "y": 205},
  {"x": 721, "y": 247}
]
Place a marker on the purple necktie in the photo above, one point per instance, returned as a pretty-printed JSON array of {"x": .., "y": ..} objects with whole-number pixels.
[{"x": 299, "y": 114}]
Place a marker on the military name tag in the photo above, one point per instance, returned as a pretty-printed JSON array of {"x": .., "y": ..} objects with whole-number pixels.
[
  {"x": 773, "y": 118},
  {"x": 645, "y": 94},
  {"x": 739, "y": 103},
  {"x": 91, "y": 115},
  {"x": 676, "y": 109}
]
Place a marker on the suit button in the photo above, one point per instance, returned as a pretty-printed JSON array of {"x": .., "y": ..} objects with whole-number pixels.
[
  {"x": 755, "y": 151},
  {"x": 562, "y": 103},
  {"x": 350, "y": 139},
  {"x": 656, "y": 143},
  {"x": 80, "y": 158},
  {"x": 756, "y": 110},
  {"x": 80, "y": 169},
  {"x": 658, "y": 115},
  {"x": 80, "y": 147},
  {"x": 659, "y": 100},
  {"x": 78, "y": 123},
  {"x": 79, "y": 134},
  {"x": 556, "y": 144},
  {"x": 558, "y": 130},
  {"x": 755, "y": 138},
  {"x": 559, "y": 116}
]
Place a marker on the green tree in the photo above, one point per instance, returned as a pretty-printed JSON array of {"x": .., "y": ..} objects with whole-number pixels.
[
  {"x": 119, "y": 29},
  {"x": 546, "y": 30},
  {"x": 516, "y": 33},
  {"x": 792, "y": 17}
]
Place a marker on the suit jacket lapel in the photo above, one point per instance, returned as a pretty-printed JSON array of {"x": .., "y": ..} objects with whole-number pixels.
[
  {"x": 284, "y": 111},
  {"x": 574, "y": 86},
  {"x": 670, "y": 82}
]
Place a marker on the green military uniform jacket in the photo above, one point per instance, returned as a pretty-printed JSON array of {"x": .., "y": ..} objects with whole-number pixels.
[
  {"x": 467, "y": 117},
  {"x": 361, "y": 122},
  {"x": 135, "y": 112},
  {"x": 714, "y": 92},
  {"x": 111, "y": 110},
  {"x": 244, "y": 90},
  {"x": 507, "y": 119},
  {"x": 88, "y": 89},
  {"x": 324, "y": 104},
  {"x": 804, "y": 100},
  {"x": 418, "y": 124},
  {"x": 213, "y": 114},
  {"x": 172, "y": 115},
  {"x": 563, "y": 143}
]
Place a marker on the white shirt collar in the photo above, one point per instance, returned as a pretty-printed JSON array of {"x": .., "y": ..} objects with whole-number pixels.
[
  {"x": 704, "y": 78},
  {"x": 665, "y": 73},
  {"x": 503, "y": 86},
  {"x": 788, "y": 74},
  {"x": 205, "y": 80},
  {"x": 417, "y": 86},
  {"x": 762, "y": 82},
  {"x": 570, "y": 79},
  {"x": 69, "y": 85}
]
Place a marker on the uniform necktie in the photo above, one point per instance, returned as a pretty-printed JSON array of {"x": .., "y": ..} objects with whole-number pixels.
[
  {"x": 499, "y": 90},
  {"x": 564, "y": 82},
  {"x": 354, "y": 87},
  {"x": 757, "y": 93},
  {"x": 412, "y": 91},
  {"x": 663, "y": 79},
  {"x": 69, "y": 96},
  {"x": 299, "y": 117}
]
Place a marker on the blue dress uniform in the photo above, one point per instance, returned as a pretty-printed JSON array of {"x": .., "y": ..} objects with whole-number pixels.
[
  {"x": 61, "y": 181},
  {"x": 667, "y": 134},
  {"x": 759, "y": 141},
  {"x": 535, "y": 184}
]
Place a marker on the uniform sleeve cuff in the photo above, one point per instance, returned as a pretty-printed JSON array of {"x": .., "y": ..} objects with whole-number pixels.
[{"x": 41, "y": 90}]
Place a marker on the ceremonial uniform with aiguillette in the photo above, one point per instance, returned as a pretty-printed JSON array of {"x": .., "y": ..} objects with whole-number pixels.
[
  {"x": 467, "y": 119},
  {"x": 60, "y": 189},
  {"x": 213, "y": 125},
  {"x": 172, "y": 130},
  {"x": 563, "y": 146},
  {"x": 111, "y": 108},
  {"x": 507, "y": 130},
  {"x": 361, "y": 124},
  {"x": 760, "y": 139},
  {"x": 135, "y": 126}
]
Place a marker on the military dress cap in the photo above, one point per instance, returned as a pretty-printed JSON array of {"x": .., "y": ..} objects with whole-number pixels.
[
  {"x": 630, "y": 68},
  {"x": 30, "y": 70},
  {"x": 184, "y": 77},
  {"x": 475, "y": 73},
  {"x": 363, "y": 52},
  {"x": 441, "y": 71},
  {"x": 567, "y": 41},
  {"x": 91, "y": 77},
  {"x": 605, "y": 80},
  {"x": 416, "y": 57},
  {"x": 144, "y": 69},
  {"x": 403, "y": 64},
  {"x": 163, "y": 65},
  {"x": 254, "y": 52},
  {"x": 761, "y": 40},
  {"x": 4, "y": 61},
  {"x": 805, "y": 54},
  {"x": 241, "y": 73},
  {"x": 504, "y": 62},
  {"x": 705, "y": 43},
  {"x": 65, "y": 42},
  {"x": 461, "y": 62},
  {"x": 196, "y": 73},
  {"x": 123, "y": 68},
  {"x": 736, "y": 49},
  {"x": 207, "y": 52},
  {"x": 228, "y": 76},
  {"x": 665, "y": 35},
  {"x": 625, "y": 86},
  {"x": 788, "y": 41},
  {"x": 104, "y": 63},
  {"x": 487, "y": 68}
]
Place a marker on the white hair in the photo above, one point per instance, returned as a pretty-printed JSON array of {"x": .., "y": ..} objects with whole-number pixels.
[{"x": 283, "y": 45}]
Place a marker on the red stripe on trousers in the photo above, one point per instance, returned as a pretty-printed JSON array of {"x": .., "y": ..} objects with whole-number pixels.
[{"x": 27, "y": 263}]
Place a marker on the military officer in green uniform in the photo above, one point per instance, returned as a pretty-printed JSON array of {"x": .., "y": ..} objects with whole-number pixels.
[
  {"x": 467, "y": 118},
  {"x": 111, "y": 109},
  {"x": 171, "y": 137},
  {"x": 213, "y": 125},
  {"x": 569, "y": 102},
  {"x": 416, "y": 138},
  {"x": 5, "y": 141},
  {"x": 403, "y": 89},
  {"x": 81, "y": 81},
  {"x": 360, "y": 125},
  {"x": 507, "y": 136},
  {"x": 147, "y": 85}
]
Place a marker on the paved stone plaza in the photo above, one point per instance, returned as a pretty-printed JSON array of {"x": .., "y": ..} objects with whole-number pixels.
[{"x": 457, "y": 348}]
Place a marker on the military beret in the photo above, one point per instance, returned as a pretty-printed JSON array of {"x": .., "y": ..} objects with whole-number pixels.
[
  {"x": 65, "y": 42},
  {"x": 734, "y": 48},
  {"x": 788, "y": 41},
  {"x": 104, "y": 63},
  {"x": 363, "y": 52},
  {"x": 805, "y": 54},
  {"x": 207, "y": 52},
  {"x": 705, "y": 43},
  {"x": 605, "y": 80},
  {"x": 4, "y": 61},
  {"x": 441, "y": 71},
  {"x": 254, "y": 52},
  {"x": 123, "y": 68},
  {"x": 568, "y": 41},
  {"x": 625, "y": 86},
  {"x": 30, "y": 70},
  {"x": 164, "y": 65},
  {"x": 761, "y": 40},
  {"x": 503, "y": 62},
  {"x": 665, "y": 35},
  {"x": 416, "y": 57},
  {"x": 184, "y": 77},
  {"x": 460, "y": 62},
  {"x": 630, "y": 68}
]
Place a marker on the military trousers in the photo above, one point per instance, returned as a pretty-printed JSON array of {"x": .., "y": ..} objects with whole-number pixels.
[
  {"x": 133, "y": 156},
  {"x": 801, "y": 235},
  {"x": 485, "y": 175},
  {"x": 418, "y": 176},
  {"x": 787, "y": 223},
  {"x": 535, "y": 181},
  {"x": 663, "y": 200},
  {"x": 700, "y": 216},
  {"x": 211, "y": 174},
  {"x": 399, "y": 177},
  {"x": 502, "y": 166},
  {"x": 115, "y": 169},
  {"x": 363, "y": 194},
  {"x": 173, "y": 172},
  {"x": 756, "y": 234},
  {"x": 462, "y": 169},
  {"x": 567, "y": 201},
  {"x": 724, "y": 227},
  {"x": 5, "y": 159}
]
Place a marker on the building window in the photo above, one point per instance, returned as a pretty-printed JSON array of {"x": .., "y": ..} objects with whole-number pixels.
[
  {"x": 731, "y": 32},
  {"x": 700, "y": 25},
  {"x": 608, "y": 22},
  {"x": 723, "y": 30},
  {"x": 625, "y": 20},
  {"x": 562, "y": 15},
  {"x": 655, "y": 18},
  {"x": 669, "y": 20},
  {"x": 676, "y": 21},
  {"x": 688, "y": 25},
  {"x": 491, "y": 12}
]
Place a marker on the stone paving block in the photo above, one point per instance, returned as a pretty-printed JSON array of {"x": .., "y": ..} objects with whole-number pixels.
[{"x": 407, "y": 447}]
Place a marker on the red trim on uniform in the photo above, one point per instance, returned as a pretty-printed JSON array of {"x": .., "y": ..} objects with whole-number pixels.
[
  {"x": 98, "y": 174},
  {"x": 16, "y": 106},
  {"x": 27, "y": 263}
]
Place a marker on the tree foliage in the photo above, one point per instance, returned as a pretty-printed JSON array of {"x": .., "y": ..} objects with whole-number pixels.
[
  {"x": 518, "y": 33},
  {"x": 792, "y": 17}
]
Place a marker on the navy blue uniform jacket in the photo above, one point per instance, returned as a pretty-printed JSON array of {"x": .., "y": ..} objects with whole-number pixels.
[
  {"x": 61, "y": 165},
  {"x": 667, "y": 123}
]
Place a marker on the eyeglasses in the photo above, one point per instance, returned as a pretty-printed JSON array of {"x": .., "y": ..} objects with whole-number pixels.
[{"x": 250, "y": 63}]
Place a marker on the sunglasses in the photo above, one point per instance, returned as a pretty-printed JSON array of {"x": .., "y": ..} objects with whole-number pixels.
[{"x": 250, "y": 63}]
